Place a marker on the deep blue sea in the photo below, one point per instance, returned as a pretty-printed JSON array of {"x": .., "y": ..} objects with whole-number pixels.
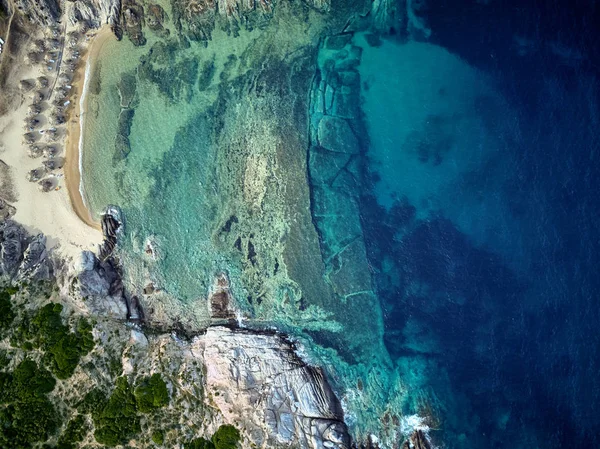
[
  {"x": 482, "y": 216},
  {"x": 470, "y": 153}
]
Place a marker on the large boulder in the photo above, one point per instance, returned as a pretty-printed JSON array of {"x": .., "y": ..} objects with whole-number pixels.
[
  {"x": 13, "y": 239},
  {"x": 94, "y": 279},
  {"x": 282, "y": 401},
  {"x": 35, "y": 265},
  {"x": 22, "y": 257}
]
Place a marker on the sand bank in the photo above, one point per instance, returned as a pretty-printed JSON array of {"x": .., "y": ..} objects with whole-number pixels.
[
  {"x": 51, "y": 213},
  {"x": 73, "y": 146}
]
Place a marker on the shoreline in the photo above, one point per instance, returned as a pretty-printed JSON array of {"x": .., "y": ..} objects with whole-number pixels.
[{"x": 74, "y": 141}]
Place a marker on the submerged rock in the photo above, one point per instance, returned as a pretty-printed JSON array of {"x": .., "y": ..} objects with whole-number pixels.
[
  {"x": 418, "y": 440},
  {"x": 335, "y": 134}
]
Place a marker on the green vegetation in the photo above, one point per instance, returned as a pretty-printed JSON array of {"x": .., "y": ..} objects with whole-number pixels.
[
  {"x": 117, "y": 422},
  {"x": 63, "y": 349},
  {"x": 151, "y": 393},
  {"x": 26, "y": 414},
  {"x": 158, "y": 437},
  {"x": 199, "y": 443},
  {"x": 74, "y": 433},
  {"x": 93, "y": 402},
  {"x": 226, "y": 437},
  {"x": 4, "y": 358},
  {"x": 116, "y": 419},
  {"x": 7, "y": 314},
  {"x": 48, "y": 348}
]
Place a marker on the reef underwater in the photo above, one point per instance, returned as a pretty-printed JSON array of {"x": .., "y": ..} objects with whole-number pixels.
[{"x": 350, "y": 224}]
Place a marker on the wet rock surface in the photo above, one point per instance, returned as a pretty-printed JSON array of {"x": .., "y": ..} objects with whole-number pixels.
[
  {"x": 132, "y": 19},
  {"x": 100, "y": 277},
  {"x": 418, "y": 440},
  {"x": 283, "y": 400}
]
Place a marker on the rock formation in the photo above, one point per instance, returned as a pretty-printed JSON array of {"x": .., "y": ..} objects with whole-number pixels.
[
  {"x": 418, "y": 440},
  {"x": 22, "y": 256},
  {"x": 100, "y": 277},
  {"x": 282, "y": 400},
  {"x": 40, "y": 12}
]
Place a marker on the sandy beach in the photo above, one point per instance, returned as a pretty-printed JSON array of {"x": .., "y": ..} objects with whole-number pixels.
[
  {"x": 59, "y": 214},
  {"x": 73, "y": 143}
]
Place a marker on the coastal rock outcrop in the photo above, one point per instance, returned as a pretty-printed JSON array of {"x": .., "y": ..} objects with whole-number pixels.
[
  {"x": 100, "y": 277},
  {"x": 283, "y": 400},
  {"x": 22, "y": 256},
  {"x": 40, "y": 12},
  {"x": 418, "y": 440}
]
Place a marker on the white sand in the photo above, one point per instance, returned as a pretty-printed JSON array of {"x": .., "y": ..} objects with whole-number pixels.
[{"x": 50, "y": 213}]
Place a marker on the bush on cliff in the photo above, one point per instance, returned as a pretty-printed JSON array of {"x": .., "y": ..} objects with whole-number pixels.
[
  {"x": 26, "y": 414},
  {"x": 151, "y": 394},
  {"x": 117, "y": 422},
  {"x": 63, "y": 348},
  {"x": 226, "y": 437},
  {"x": 74, "y": 433},
  {"x": 7, "y": 314},
  {"x": 199, "y": 443}
]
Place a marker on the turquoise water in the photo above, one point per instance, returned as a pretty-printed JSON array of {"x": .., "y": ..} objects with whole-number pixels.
[
  {"x": 168, "y": 170},
  {"x": 420, "y": 215}
]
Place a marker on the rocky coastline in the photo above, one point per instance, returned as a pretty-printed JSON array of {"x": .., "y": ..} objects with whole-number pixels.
[
  {"x": 249, "y": 377},
  {"x": 253, "y": 378}
]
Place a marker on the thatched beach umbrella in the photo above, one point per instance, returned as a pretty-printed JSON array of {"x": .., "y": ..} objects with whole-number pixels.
[
  {"x": 54, "y": 44},
  {"x": 61, "y": 93},
  {"x": 34, "y": 109},
  {"x": 72, "y": 41},
  {"x": 29, "y": 138},
  {"x": 34, "y": 57},
  {"x": 31, "y": 123},
  {"x": 37, "y": 97},
  {"x": 51, "y": 151},
  {"x": 65, "y": 77},
  {"x": 43, "y": 82},
  {"x": 39, "y": 45},
  {"x": 36, "y": 174},
  {"x": 57, "y": 119},
  {"x": 51, "y": 134},
  {"x": 48, "y": 184},
  {"x": 26, "y": 85},
  {"x": 35, "y": 151},
  {"x": 49, "y": 164}
]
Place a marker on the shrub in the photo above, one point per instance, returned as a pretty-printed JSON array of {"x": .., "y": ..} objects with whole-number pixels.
[
  {"x": 158, "y": 437},
  {"x": 28, "y": 416},
  {"x": 117, "y": 422},
  {"x": 93, "y": 403},
  {"x": 7, "y": 314},
  {"x": 226, "y": 437},
  {"x": 151, "y": 393},
  {"x": 63, "y": 348},
  {"x": 73, "y": 434},
  {"x": 199, "y": 443}
]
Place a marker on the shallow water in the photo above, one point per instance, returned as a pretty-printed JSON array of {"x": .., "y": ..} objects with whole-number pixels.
[{"x": 436, "y": 249}]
